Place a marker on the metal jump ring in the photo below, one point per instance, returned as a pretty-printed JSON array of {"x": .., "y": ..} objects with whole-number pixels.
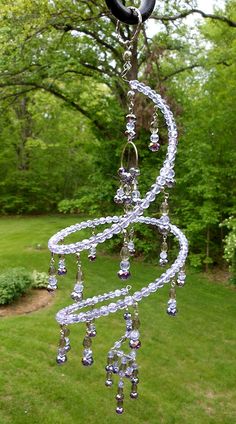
[{"x": 126, "y": 15}]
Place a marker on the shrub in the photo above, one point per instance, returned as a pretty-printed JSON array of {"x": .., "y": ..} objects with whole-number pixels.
[
  {"x": 40, "y": 280},
  {"x": 13, "y": 283}
]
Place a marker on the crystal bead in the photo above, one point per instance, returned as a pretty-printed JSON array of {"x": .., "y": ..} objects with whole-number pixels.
[
  {"x": 124, "y": 253},
  {"x": 164, "y": 209},
  {"x": 135, "y": 344},
  {"x": 163, "y": 255},
  {"x": 119, "y": 396},
  {"x": 134, "y": 335},
  {"x": 61, "y": 359},
  {"x": 123, "y": 275},
  {"x": 134, "y": 395},
  {"x": 87, "y": 361},
  {"x": 127, "y": 315},
  {"x": 154, "y": 138},
  {"x": 130, "y": 126},
  {"x": 109, "y": 368},
  {"x": 154, "y": 147},
  {"x": 119, "y": 410},
  {"x": 87, "y": 342},
  {"x": 124, "y": 265},
  {"x": 112, "y": 307},
  {"x": 108, "y": 383}
]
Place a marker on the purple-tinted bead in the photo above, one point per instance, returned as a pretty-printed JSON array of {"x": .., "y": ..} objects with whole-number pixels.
[
  {"x": 123, "y": 275},
  {"x": 119, "y": 396},
  {"x": 62, "y": 271},
  {"x": 119, "y": 410},
  {"x": 109, "y": 368},
  {"x": 61, "y": 359},
  {"x": 135, "y": 344},
  {"x": 127, "y": 315},
  {"x": 87, "y": 362},
  {"x": 134, "y": 395},
  {"x": 115, "y": 369},
  {"x": 154, "y": 147},
  {"x": 134, "y": 380},
  {"x": 92, "y": 257}
]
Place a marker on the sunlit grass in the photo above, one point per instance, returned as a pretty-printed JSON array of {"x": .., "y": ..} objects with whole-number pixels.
[{"x": 187, "y": 364}]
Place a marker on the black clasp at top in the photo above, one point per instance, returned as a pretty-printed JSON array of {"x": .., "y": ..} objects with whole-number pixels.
[{"x": 127, "y": 15}]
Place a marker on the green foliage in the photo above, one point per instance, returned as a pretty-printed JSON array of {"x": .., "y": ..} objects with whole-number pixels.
[
  {"x": 39, "y": 280},
  {"x": 13, "y": 283},
  {"x": 230, "y": 245}
]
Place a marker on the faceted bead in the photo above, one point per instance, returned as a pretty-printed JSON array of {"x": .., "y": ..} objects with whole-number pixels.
[
  {"x": 92, "y": 257},
  {"x": 124, "y": 253},
  {"x": 130, "y": 126},
  {"x": 134, "y": 395},
  {"x": 123, "y": 275},
  {"x": 115, "y": 369},
  {"x": 76, "y": 296},
  {"x": 127, "y": 315},
  {"x": 164, "y": 209},
  {"x": 163, "y": 255},
  {"x": 154, "y": 147},
  {"x": 61, "y": 359},
  {"x": 124, "y": 265},
  {"x": 131, "y": 248},
  {"x": 134, "y": 335},
  {"x": 87, "y": 342},
  {"x": 67, "y": 346},
  {"x": 118, "y": 200},
  {"x": 135, "y": 344},
  {"x": 119, "y": 396},
  {"x": 134, "y": 380},
  {"x": 154, "y": 138},
  {"x": 109, "y": 368},
  {"x": 87, "y": 353},
  {"x": 108, "y": 383},
  {"x": 119, "y": 410},
  {"x": 87, "y": 361}
]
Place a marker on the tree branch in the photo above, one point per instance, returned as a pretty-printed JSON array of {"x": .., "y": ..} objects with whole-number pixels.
[
  {"x": 186, "y": 13},
  {"x": 56, "y": 92}
]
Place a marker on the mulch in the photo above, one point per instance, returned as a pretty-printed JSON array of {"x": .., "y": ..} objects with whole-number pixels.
[{"x": 30, "y": 302}]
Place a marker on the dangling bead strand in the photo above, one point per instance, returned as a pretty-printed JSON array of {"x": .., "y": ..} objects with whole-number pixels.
[
  {"x": 77, "y": 293},
  {"x": 52, "y": 280},
  {"x": 109, "y": 369},
  {"x": 87, "y": 359},
  {"x": 61, "y": 266},
  {"x": 124, "y": 272},
  {"x": 163, "y": 255},
  {"x": 134, "y": 381},
  {"x": 154, "y": 146},
  {"x": 64, "y": 345},
  {"x": 181, "y": 278},
  {"x": 171, "y": 305},
  {"x": 120, "y": 397},
  {"x": 134, "y": 334},
  {"x": 92, "y": 251}
]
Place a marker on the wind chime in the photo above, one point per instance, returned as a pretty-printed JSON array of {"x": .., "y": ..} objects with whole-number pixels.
[{"x": 121, "y": 364}]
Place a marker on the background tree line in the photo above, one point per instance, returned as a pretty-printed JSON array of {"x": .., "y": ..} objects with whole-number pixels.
[{"x": 63, "y": 106}]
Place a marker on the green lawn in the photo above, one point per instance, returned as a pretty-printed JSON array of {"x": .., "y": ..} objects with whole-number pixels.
[{"x": 187, "y": 363}]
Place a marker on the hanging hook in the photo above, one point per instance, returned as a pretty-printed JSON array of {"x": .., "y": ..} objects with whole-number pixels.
[{"x": 127, "y": 14}]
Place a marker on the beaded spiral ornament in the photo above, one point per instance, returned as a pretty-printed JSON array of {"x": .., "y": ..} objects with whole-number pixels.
[{"x": 119, "y": 363}]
